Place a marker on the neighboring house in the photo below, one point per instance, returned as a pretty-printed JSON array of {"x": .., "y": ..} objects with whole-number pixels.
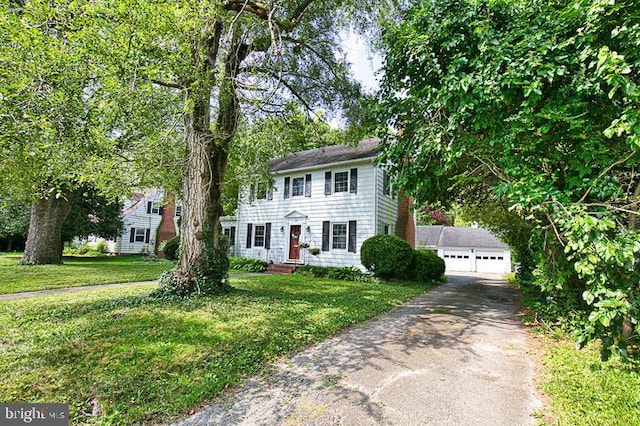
[
  {"x": 466, "y": 249},
  {"x": 229, "y": 226},
  {"x": 147, "y": 221},
  {"x": 329, "y": 199}
]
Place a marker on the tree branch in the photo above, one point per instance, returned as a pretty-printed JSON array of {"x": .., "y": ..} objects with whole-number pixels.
[{"x": 167, "y": 84}]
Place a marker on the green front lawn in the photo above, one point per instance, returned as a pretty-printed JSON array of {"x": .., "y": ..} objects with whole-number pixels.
[
  {"x": 585, "y": 391},
  {"x": 76, "y": 271},
  {"x": 148, "y": 360}
]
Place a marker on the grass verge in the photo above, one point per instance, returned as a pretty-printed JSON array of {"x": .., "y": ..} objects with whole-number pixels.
[
  {"x": 77, "y": 271},
  {"x": 143, "y": 360},
  {"x": 583, "y": 390}
]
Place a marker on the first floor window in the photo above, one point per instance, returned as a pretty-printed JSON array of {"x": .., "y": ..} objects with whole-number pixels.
[
  {"x": 259, "y": 236},
  {"x": 140, "y": 235},
  {"x": 386, "y": 229},
  {"x": 339, "y": 236}
]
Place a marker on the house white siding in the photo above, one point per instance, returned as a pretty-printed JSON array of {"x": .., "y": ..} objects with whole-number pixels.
[
  {"x": 141, "y": 219},
  {"x": 337, "y": 223},
  {"x": 386, "y": 204}
]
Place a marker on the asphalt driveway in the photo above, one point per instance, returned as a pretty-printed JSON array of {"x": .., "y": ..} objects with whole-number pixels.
[{"x": 455, "y": 356}]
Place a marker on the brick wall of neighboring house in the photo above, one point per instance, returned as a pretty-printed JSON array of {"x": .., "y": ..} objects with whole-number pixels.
[
  {"x": 166, "y": 229},
  {"x": 405, "y": 223}
]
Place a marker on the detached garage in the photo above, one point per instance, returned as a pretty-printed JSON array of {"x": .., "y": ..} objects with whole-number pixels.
[{"x": 466, "y": 249}]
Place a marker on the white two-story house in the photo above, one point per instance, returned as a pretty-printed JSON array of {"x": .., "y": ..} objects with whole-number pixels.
[
  {"x": 147, "y": 221},
  {"x": 327, "y": 200}
]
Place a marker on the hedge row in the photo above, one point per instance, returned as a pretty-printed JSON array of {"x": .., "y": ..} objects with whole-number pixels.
[{"x": 345, "y": 273}]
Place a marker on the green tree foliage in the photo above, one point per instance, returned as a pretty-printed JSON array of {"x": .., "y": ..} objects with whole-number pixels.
[
  {"x": 69, "y": 116},
  {"x": 92, "y": 214},
  {"x": 14, "y": 222},
  {"x": 532, "y": 106},
  {"x": 292, "y": 130},
  {"x": 227, "y": 59}
]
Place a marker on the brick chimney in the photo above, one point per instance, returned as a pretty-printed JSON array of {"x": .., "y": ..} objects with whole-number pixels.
[
  {"x": 405, "y": 224},
  {"x": 166, "y": 229}
]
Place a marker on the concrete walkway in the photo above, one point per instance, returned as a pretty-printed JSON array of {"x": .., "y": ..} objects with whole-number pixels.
[{"x": 455, "y": 356}]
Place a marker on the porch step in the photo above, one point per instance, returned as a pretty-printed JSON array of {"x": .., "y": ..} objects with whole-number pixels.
[{"x": 280, "y": 269}]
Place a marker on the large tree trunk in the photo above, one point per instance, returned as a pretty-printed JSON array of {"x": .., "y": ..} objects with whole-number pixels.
[
  {"x": 44, "y": 240},
  {"x": 206, "y": 156}
]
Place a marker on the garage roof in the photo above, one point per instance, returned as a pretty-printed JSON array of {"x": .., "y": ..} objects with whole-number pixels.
[{"x": 457, "y": 236}]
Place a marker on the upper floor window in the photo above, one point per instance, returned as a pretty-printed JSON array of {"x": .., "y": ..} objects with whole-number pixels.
[
  {"x": 260, "y": 191},
  {"x": 154, "y": 208},
  {"x": 341, "y": 182},
  {"x": 297, "y": 189},
  {"x": 346, "y": 181},
  {"x": 386, "y": 183}
]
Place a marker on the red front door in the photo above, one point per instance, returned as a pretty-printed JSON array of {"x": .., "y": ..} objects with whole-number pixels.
[{"x": 294, "y": 241}]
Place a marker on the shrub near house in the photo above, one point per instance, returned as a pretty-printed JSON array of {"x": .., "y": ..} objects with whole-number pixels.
[{"x": 389, "y": 256}]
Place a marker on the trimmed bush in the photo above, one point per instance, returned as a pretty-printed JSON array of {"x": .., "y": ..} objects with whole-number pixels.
[
  {"x": 427, "y": 265},
  {"x": 387, "y": 256},
  {"x": 344, "y": 273},
  {"x": 247, "y": 265},
  {"x": 170, "y": 248}
]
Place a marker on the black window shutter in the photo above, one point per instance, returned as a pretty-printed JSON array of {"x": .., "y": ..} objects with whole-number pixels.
[
  {"x": 287, "y": 181},
  {"x": 270, "y": 194},
  {"x": 267, "y": 236},
  {"x": 252, "y": 192},
  {"x": 147, "y": 236},
  {"x": 132, "y": 238},
  {"x": 160, "y": 210},
  {"x": 353, "y": 184},
  {"x": 325, "y": 235},
  {"x": 249, "y": 232},
  {"x": 232, "y": 236},
  {"x": 307, "y": 185},
  {"x": 327, "y": 183},
  {"x": 352, "y": 236},
  {"x": 149, "y": 203}
]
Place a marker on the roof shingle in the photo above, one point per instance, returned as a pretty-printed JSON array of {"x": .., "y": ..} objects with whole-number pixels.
[{"x": 330, "y": 154}]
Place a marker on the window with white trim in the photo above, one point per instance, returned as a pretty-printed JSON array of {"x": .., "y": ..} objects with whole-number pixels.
[
  {"x": 339, "y": 236},
  {"x": 297, "y": 187},
  {"x": 178, "y": 210},
  {"x": 386, "y": 183},
  {"x": 140, "y": 234},
  {"x": 341, "y": 182},
  {"x": 155, "y": 208},
  {"x": 258, "y": 240}
]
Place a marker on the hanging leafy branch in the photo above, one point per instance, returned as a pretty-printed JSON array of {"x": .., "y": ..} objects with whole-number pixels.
[{"x": 534, "y": 107}]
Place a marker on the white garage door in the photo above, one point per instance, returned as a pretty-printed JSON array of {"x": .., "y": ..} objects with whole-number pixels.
[
  {"x": 491, "y": 261},
  {"x": 457, "y": 260}
]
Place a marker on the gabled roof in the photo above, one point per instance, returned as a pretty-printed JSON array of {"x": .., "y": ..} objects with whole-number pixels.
[
  {"x": 457, "y": 236},
  {"x": 326, "y": 155}
]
